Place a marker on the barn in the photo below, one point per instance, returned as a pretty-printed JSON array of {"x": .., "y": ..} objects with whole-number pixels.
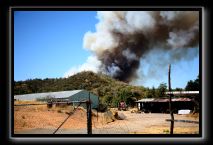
[{"x": 74, "y": 96}]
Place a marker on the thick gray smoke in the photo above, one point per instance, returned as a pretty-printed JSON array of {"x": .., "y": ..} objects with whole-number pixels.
[{"x": 123, "y": 38}]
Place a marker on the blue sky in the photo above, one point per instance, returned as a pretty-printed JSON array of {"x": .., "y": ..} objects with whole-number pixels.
[{"x": 48, "y": 44}]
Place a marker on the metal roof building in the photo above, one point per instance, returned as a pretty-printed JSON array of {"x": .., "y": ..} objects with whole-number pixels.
[
  {"x": 163, "y": 100},
  {"x": 74, "y": 95},
  {"x": 183, "y": 93},
  {"x": 161, "y": 105}
]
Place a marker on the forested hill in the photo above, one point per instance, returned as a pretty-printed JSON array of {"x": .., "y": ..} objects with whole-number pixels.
[
  {"x": 108, "y": 89},
  {"x": 102, "y": 85}
]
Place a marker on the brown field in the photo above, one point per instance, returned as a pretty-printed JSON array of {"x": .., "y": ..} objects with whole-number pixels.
[{"x": 40, "y": 117}]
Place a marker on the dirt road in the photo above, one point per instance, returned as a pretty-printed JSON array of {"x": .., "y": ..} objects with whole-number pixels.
[{"x": 150, "y": 123}]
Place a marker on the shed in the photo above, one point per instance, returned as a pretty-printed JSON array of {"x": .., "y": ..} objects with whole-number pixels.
[
  {"x": 162, "y": 104},
  {"x": 69, "y": 96}
]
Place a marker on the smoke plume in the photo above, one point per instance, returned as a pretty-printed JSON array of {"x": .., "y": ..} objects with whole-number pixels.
[
  {"x": 91, "y": 64},
  {"x": 123, "y": 38}
]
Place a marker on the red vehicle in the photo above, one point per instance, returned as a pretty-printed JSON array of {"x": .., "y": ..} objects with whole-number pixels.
[{"x": 122, "y": 106}]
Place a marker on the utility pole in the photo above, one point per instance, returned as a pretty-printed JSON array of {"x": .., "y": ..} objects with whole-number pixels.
[
  {"x": 170, "y": 101},
  {"x": 89, "y": 116}
]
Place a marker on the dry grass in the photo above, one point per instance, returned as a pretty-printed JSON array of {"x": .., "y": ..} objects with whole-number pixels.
[
  {"x": 194, "y": 115},
  {"x": 39, "y": 116},
  {"x": 27, "y": 102},
  {"x": 166, "y": 130},
  {"x": 37, "y": 108}
]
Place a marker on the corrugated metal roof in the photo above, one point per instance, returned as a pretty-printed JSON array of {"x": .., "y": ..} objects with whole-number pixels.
[
  {"x": 146, "y": 100},
  {"x": 181, "y": 99},
  {"x": 183, "y": 93},
  {"x": 163, "y": 100},
  {"x": 62, "y": 94}
]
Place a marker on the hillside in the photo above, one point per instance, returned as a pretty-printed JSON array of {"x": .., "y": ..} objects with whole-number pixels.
[{"x": 108, "y": 89}]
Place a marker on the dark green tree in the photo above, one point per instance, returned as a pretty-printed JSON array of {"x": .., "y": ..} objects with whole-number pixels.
[
  {"x": 193, "y": 85},
  {"x": 178, "y": 89},
  {"x": 161, "y": 90},
  {"x": 150, "y": 93}
]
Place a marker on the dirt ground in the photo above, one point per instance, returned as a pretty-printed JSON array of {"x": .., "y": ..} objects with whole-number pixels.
[
  {"x": 34, "y": 117},
  {"x": 40, "y": 119}
]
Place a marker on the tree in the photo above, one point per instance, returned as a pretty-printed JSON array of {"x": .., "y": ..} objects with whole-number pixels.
[
  {"x": 161, "y": 90},
  {"x": 178, "y": 89},
  {"x": 193, "y": 85},
  {"x": 151, "y": 93},
  {"x": 197, "y": 81}
]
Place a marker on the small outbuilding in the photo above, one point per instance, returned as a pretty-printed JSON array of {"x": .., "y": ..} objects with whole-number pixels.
[
  {"x": 161, "y": 105},
  {"x": 181, "y": 100}
]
